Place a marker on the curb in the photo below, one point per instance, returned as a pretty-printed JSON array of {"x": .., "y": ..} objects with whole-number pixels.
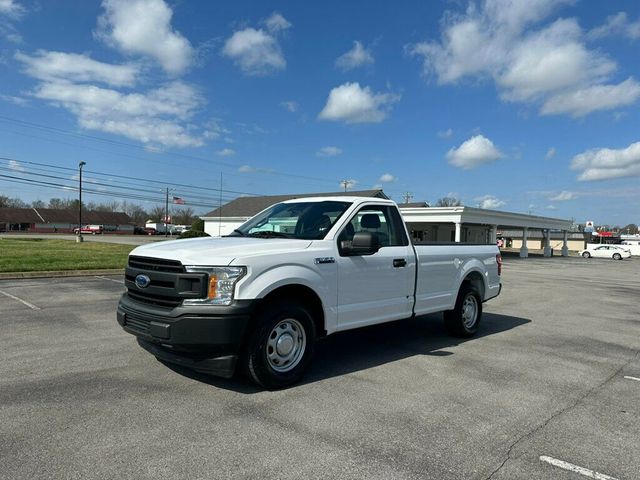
[{"x": 61, "y": 273}]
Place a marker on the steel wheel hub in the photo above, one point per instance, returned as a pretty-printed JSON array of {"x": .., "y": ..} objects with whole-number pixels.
[
  {"x": 469, "y": 311},
  {"x": 286, "y": 345}
]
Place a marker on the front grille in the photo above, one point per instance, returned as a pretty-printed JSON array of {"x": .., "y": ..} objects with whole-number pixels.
[
  {"x": 138, "y": 324},
  {"x": 157, "y": 300},
  {"x": 156, "y": 264}
]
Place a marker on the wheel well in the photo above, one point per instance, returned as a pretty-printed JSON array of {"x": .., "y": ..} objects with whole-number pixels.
[
  {"x": 303, "y": 295},
  {"x": 475, "y": 281}
]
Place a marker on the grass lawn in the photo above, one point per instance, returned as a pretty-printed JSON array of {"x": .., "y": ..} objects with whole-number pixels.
[{"x": 38, "y": 255}]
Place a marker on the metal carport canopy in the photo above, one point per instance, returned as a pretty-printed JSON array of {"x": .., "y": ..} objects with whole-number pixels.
[{"x": 482, "y": 216}]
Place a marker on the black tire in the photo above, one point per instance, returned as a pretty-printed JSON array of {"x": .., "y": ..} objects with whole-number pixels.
[
  {"x": 586, "y": 255},
  {"x": 289, "y": 322},
  {"x": 617, "y": 256},
  {"x": 457, "y": 321}
]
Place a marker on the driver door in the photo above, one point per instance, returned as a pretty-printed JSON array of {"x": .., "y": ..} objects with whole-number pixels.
[{"x": 379, "y": 287}]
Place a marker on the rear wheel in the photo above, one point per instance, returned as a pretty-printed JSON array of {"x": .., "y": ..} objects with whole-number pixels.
[
  {"x": 617, "y": 256},
  {"x": 586, "y": 254},
  {"x": 464, "y": 319},
  {"x": 281, "y": 345}
]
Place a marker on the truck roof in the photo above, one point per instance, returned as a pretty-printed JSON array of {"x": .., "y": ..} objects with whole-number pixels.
[{"x": 341, "y": 199}]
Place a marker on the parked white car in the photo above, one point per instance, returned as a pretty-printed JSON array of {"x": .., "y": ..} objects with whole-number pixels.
[{"x": 606, "y": 251}]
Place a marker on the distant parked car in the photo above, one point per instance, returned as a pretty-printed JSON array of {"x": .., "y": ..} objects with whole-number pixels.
[
  {"x": 150, "y": 231},
  {"x": 606, "y": 251},
  {"x": 92, "y": 229}
]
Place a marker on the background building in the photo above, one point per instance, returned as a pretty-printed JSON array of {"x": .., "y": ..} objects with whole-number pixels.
[{"x": 51, "y": 220}]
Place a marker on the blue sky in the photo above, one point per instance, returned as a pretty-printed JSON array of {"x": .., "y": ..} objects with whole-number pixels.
[{"x": 527, "y": 106}]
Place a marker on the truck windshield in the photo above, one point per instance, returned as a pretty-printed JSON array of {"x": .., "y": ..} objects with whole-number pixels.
[{"x": 302, "y": 220}]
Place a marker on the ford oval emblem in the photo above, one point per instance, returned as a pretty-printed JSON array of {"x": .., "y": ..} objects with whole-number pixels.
[{"x": 142, "y": 281}]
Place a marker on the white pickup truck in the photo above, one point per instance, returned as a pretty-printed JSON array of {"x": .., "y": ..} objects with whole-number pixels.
[{"x": 297, "y": 271}]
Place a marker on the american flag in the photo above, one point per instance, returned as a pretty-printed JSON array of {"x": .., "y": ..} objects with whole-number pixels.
[{"x": 178, "y": 200}]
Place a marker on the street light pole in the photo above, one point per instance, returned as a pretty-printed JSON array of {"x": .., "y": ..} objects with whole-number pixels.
[{"x": 79, "y": 237}]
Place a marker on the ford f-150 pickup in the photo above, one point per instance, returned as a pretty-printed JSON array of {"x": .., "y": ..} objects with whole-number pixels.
[{"x": 297, "y": 271}]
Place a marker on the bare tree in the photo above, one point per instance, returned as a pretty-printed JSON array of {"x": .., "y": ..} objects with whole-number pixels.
[
  {"x": 6, "y": 202},
  {"x": 156, "y": 214},
  {"x": 448, "y": 202},
  {"x": 185, "y": 216}
]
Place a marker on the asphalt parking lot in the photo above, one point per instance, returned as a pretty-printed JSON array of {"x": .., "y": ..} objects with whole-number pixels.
[{"x": 552, "y": 377}]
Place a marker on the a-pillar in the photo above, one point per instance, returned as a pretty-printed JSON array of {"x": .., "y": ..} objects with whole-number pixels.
[
  {"x": 524, "y": 251},
  {"x": 458, "y": 231},
  {"x": 565, "y": 247},
  {"x": 547, "y": 242},
  {"x": 493, "y": 234}
]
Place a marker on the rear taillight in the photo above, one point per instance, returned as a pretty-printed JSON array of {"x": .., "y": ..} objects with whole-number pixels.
[{"x": 499, "y": 262}]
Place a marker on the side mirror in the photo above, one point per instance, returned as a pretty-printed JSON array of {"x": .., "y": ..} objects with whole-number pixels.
[{"x": 363, "y": 243}]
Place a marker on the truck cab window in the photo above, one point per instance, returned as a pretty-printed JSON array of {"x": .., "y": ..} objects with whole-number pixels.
[{"x": 375, "y": 219}]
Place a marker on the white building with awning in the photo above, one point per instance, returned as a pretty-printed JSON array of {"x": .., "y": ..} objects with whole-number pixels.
[{"x": 477, "y": 225}]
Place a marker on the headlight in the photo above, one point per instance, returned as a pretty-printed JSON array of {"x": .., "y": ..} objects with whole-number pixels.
[{"x": 221, "y": 284}]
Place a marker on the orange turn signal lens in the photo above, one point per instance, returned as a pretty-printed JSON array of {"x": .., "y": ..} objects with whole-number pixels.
[{"x": 213, "y": 282}]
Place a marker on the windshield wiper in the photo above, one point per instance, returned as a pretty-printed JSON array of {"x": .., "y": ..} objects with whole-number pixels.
[{"x": 269, "y": 234}]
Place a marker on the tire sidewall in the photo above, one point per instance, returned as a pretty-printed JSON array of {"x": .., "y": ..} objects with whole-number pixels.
[
  {"x": 258, "y": 366},
  {"x": 453, "y": 318},
  {"x": 586, "y": 255},
  {"x": 617, "y": 256}
]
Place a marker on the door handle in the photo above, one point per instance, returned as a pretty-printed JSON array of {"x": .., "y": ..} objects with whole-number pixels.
[{"x": 399, "y": 262}]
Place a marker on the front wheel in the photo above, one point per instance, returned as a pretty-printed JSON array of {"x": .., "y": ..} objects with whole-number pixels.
[
  {"x": 586, "y": 254},
  {"x": 464, "y": 319},
  {"x": 617, "y": 256},
  {"x": 281, "y": 346}
]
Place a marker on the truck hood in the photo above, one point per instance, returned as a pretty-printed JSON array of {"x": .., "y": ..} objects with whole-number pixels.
[{"x": 216, "y": 250}]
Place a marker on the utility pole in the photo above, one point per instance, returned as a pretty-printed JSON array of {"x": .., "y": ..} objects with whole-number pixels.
[
  {"x": 220, "y": 209},
  {"x": 166, "y": 213},
  {"x": 345, "y": 184},
  {"x": 407, "y": 197},
  {"x": 79, "y": 237}
]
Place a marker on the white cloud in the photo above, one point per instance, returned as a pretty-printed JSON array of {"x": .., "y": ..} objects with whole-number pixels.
[
  {"x": 490, "y": 202},
  {"x": 605, "y": 163},
  {"x": 143, "y": 27},
  {"x": 214, "y": 129},
  {"x": 550, "y": 153},
  {"x": 290, "y": 106},
  {"x": 387, "y": 178},
  {"x": 11, "y": 9},
  {"x": 351, "y": 103},
  {"x": 581, "y": 102},
  {"x": 256, "y": 51},
  {"x": 246, "y": 169},
  {"x": 13, "y": 99},
  {"x": 51, "y": 66},
  {"x": 16, "y": 166},
  {"x": 153, "y": 117},
  {"x": 529, "y": 61},
  {"x": 329, "y": 151},
  {"x": 226, "y": 152},
  {"x": 445, "y": 133},
  {"x": 358, "y": 56},
  {"x": 551, "y": 207},
  {"x": 476, "y": 151},
  {"x": 617, "y": 24},
  {"x": 10, "y": 12},
  {"x": 277, "y": 23},
  {"x": 562, "y": 196}
]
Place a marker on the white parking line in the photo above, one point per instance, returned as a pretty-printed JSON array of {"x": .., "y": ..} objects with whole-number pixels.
[
  {"x": 24, "y": 302},
  {"x": 575, "y": 468},
  {"x": 632, "y": 378},
  {"x": 121, "y": 282}
]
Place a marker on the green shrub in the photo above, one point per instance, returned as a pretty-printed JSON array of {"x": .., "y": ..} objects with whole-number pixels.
[
  {"x": 198, "y": 225},
  {"x": 193, "y": 234}
]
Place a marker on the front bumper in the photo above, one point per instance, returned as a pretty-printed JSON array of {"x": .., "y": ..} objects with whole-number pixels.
[{"x": 204, "y": 338}]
